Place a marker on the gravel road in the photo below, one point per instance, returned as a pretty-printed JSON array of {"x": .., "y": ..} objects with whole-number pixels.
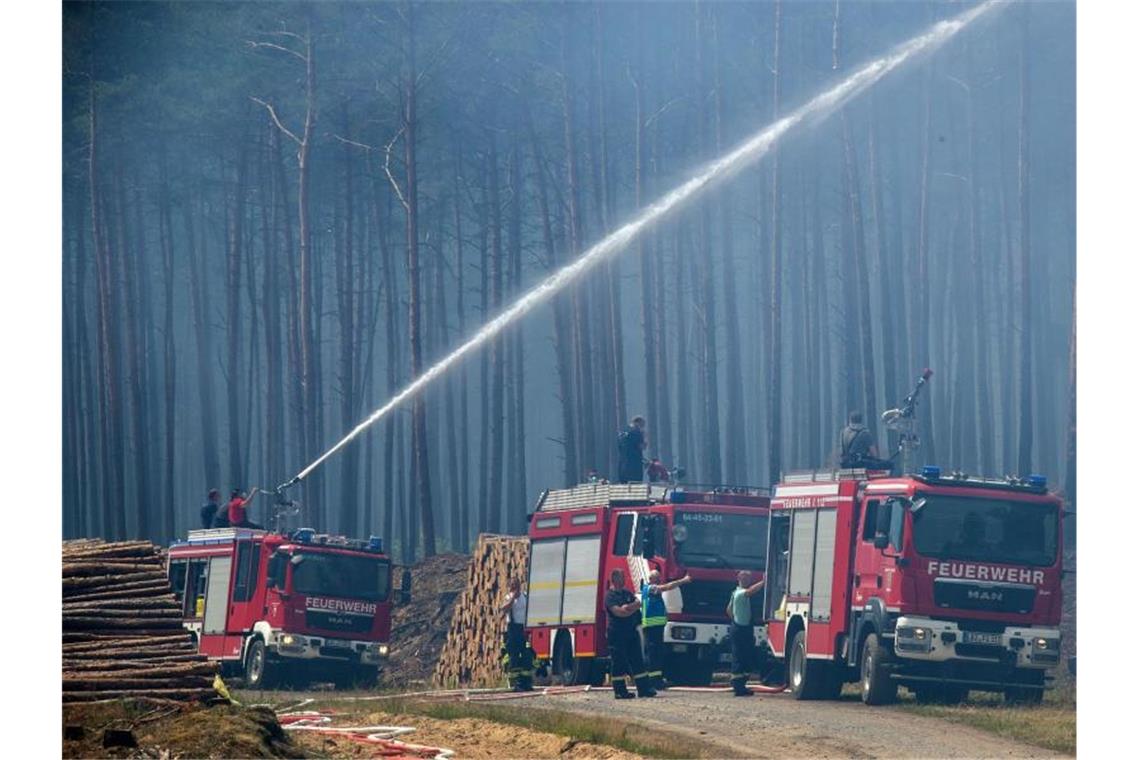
[{"x": 775, "y": 725}]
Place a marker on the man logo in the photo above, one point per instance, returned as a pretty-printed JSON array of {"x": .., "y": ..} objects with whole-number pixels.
[{"x": 984, "y": 596}]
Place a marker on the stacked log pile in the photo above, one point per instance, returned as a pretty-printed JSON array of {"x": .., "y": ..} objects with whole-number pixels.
[
  {"x": 122, "y": 627},
  {"x": 471, "y": 655}
]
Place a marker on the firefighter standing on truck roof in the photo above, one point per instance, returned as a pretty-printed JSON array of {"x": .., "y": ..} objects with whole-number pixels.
[
  {"x": 653, "y": 619},
  {"x": 743, "y": 643},
  {"x": 519, "y": 672},
  {"x": 631, "y": 448},
  {"x": 235, "y": 510},
  {"x": 210, "y": 509},
  {"x": 621, "y": 638}
]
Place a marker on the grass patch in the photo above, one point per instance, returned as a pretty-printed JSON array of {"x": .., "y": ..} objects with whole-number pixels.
[
  {"x": 613, "y": 732},
  {"x": 1052, "y": 724}
]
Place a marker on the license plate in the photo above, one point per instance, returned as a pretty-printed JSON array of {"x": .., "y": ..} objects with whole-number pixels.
[
  {"x": 972, "y": 637},
  {"x": 337, "y": 644}
]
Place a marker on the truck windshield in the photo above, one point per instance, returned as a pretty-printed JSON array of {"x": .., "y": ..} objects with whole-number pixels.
[
  {"x": 986, "y": 530},
  {"x": 341, "y": 575},
  {"x": 720, "y": 539}
]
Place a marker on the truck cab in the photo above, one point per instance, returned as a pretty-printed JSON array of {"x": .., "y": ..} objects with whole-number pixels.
[
  {"x": 939, "y": 584},
  {"x": 579, "y": 535},
  {"x": 285, "y": 608}
]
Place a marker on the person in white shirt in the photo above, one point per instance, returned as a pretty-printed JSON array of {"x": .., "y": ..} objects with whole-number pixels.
[{"x": 514, "y": 607}]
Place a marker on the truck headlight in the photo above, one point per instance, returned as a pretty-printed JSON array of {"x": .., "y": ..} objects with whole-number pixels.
[
  {"x": 914, "y": 639},
  {"x": 289, "y": 641},
  {"x": 685, "y": 633},
  {"x": 1042, "y": 643}
]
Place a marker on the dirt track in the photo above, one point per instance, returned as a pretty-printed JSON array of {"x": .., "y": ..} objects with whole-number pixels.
[{"x": 775, "y": 725}]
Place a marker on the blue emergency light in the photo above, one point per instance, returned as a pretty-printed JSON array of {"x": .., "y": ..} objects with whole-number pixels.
[
  {"x": 304, "y": 535},
  {"x": 1037, "y": 481},
  {"x": 678, "y": 496},
  {"x": 375, "y": 544},
  {"x": 931, "y": 472}
]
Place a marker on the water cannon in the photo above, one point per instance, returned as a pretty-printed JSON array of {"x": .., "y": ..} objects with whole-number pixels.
[{"x": 902, "y": 419}]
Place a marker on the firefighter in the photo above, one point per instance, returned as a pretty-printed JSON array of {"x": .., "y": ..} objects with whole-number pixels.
[
  {"x": 743, "y": 643},
  {"x": 235, "y": 510},
  {"x": 514, "y": 641},
  {"x": 209, "y": 510},
  {"x": 631, "y": 451},
  {"x": 657, "y": 472},
  {"x": 621, "y": 638},
  {"x": 653, "y": 619},
  {"x": 857, "y": 446}
]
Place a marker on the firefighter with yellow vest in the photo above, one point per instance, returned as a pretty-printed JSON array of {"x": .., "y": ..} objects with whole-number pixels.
[{"x": 653, "y": 619}]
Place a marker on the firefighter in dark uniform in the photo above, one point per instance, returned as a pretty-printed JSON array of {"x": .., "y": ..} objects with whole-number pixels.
[
  {"x": 653, "y": 620},
  {"x": 631, "y": 452},
  {"x": 622, "y": 609},
  {"x": 743, "y": 642},
  {"x": 520, "y": 672},
  {"x": 857, "y": 446}
]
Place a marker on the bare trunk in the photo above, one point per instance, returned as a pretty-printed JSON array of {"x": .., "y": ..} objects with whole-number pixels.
[
  {"x": 1025, "y": 350},
  {"x": 775, "y": 283}
]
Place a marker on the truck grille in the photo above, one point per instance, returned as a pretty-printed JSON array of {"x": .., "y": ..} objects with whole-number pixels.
[
  {"x": 988, "y": 651},
  {"x": 709, "y": 598},
  {"x": 991, "y": 597},
  {"x": 330, "y": 621}
]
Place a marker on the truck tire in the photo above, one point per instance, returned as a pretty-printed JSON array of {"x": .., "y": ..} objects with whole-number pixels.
[
  {"x": 258, "y": 669},
  {"x": 875, "y": 682},
  {"x": 687, "y": 671},
  {"x": 563, "y": 669},
  {"x": 940, "y": 694},
  {"x": 1024, "y": 695},
  {"x": 808, "y": 679}
]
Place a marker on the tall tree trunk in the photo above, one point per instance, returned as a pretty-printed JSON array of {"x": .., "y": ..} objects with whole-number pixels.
[
  {"x": 711, "y": 470},
  {"x": 235, "y": 215},
  {"x": 498, "y": 374},
  {"x": 166, "y": 242},
  {"x": 735, "y": 448},
  {"x": 516, "y": 489},
  {"x": 347, "y": 283},
  {"x": 562, "y": 356},
  {"x": 775, "y": 352},
  {"x": 1025, "y": 350},
  {"x": 205, "y": 365},
  {"x": 421, "y": 477}
]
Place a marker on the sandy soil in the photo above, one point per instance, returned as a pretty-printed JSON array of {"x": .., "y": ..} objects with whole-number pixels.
[{"x": 469, "y": 738}]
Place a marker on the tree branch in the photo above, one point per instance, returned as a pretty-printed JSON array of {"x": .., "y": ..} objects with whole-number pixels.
[
  {"x": 388, "y": 169},
  {"x": 273, "y": 115},
  {"x": 275, "y": 46}
]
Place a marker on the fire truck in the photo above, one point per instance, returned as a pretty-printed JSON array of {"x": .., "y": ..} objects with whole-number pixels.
[
  {"x": 283, "y": 609},
  {"x": 579, "y": 535},
  {"x": 939, "y": 583}
]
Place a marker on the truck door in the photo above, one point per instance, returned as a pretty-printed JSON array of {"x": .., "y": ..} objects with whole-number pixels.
[
  {"x": 218, "y": 577},
  {"x": 246, "y": 602},
  {"x": 868, "y": 579}
]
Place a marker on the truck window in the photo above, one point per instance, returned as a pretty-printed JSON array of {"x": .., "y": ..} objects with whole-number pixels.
[
  {"x": 248, "y": 559},
  {"x": 177, "y": 575},
  {"x": 623, "y": 532},
  {"x": 870, "y": 513},
  {"x": 898, "y": 513},
  {"x": 275, "y": 573},
  {"x": 195, "y": 602}
]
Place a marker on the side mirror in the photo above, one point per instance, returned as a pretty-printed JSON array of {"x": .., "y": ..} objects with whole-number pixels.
[
  {"x": 881, "y": 541},
  {"x": 406, "y": 586}
]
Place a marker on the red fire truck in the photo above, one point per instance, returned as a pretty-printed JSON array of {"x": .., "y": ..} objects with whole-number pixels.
[
  {"x": 579, "y": 535},
  {"x": 285, "y": 608},
  {"x": 938, "y": 583}
]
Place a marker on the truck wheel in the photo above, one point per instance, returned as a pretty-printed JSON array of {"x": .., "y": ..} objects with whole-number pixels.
[
  {"x": 1024, "y": 695},
  {"x": 800, "y": 670},
  {"x": 876, "y": 683},
  {"x": 937, "y": 694},
  {"x": 687, "y": 671},
  {"x": 258, "y": 670},
  {"x": 563, "y": 669}
]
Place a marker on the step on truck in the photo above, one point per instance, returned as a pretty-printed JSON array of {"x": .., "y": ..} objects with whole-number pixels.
[
  {"x": 940, "y": 584},
  {"x": 285, "y": 609},
  {"x": 579, "y": 535}
]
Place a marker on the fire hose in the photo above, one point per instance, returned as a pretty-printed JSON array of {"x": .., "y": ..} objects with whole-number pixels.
[{"x": 383, "y": 738}]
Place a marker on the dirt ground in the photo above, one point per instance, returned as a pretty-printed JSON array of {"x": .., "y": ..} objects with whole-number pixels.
[
  {"x": 468, "y": 737},
  {"x": 775, "y": 725},
  {"x": 175, "y": 731}
]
